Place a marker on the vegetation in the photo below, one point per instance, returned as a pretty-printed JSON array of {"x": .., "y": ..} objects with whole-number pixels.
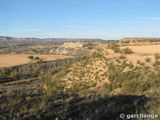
[
  {"x": 148, "y": 60},
  {"x": 70, "y": 106},
  {"x": 37, "y": 58},
  {"x": 33, "y": 70},
  {"x": 157, "y": 56},
  {"x": 30, "y": 57},
  {"x": 98, "y": 86},
  {"x": 126, "y": 41},
  {"x": 116, "y": 49},
  {"x": 64, "y": 103},
  {"x": 122, "y": 57},
  {"x": 127, "y": 51}
]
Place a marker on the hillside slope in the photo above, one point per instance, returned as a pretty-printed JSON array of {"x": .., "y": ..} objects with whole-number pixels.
[
  {"x": 14, "y": 40},
  {"x": 112, "y": 73},
  {"x": 140, "y": 40}
]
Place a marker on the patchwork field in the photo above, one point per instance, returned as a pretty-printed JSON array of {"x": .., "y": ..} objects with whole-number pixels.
[{"x": 7, "y": 60}]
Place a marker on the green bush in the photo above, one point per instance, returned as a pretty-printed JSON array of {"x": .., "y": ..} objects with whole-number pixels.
[
  {"x": 122, "y": 57},
  {"x": 97, "y": 55},
  {"x": 30, "y": 57},
  {"x": 127, "y": 51},
  {"x": 126, "y": 41},
  {"x": 37, "y": 58},
  {"x": 140, "y": 63},
  {"x": 114, "y": 47},
  {"x": 148, "y": 60}
]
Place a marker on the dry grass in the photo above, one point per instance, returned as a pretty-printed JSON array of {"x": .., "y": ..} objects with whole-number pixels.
[
  {"x": 20, "y": 81},
  {"x": 7, "y": 60},
  {"x": 144, "y": 49},
  {"x": 142, "y": 52}
]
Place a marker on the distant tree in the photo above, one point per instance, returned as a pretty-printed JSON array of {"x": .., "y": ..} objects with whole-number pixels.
[
  {"x": 37, "y": 58},
  {"x": 30, "y": 57}
]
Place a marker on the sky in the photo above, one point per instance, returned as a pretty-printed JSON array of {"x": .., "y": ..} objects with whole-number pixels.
[{"x": 105, "y": 19}]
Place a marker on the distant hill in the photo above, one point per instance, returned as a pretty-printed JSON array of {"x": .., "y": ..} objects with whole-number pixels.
[
  {"x": 143, "y": 39},
  {"x": 14, "y": 40}
]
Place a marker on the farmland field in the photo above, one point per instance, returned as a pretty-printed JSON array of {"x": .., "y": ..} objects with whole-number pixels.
[
  {"x": 7, "y": 60},
  {"x": 144, "y": 49},
  {"x": 142, "y": 52}
]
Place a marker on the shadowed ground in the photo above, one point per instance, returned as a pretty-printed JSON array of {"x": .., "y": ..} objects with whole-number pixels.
[{"x": 30, "y": 105}]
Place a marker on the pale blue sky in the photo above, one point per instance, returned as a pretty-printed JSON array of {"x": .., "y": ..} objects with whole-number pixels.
[{"x": 106, "y": 19}]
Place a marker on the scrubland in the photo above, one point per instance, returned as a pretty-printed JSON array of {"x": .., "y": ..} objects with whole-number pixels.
[{"x": 113, "y": 79}]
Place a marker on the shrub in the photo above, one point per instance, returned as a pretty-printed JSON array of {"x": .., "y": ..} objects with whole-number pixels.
[
  {"x": 94, "y": 84},
  {"x": 157, "y": 56},
  {"x": 30, "y": 57},
  {"x": 89, "y": 45},
  {"x": 131, "y": 86},
  {"x": 114, "y": 47},
  {"x": 122, "y": 57},
  {"x": 157, "y": 63},
  {"x": 37, "y": 58},
  {"x": 130, "y": 65},
  {"x": 126, "y": 41},
  {"x": 97, "y": 55},
  {"x": 148, "y": 60},
  {"x": 144, "y": 85},
  {"x": 53, "y": 83},
  {"x": 108, "y": 88},
  {"x": 134, "y": 41},
  {"x": 127, "y": 51},
  {"x": 138, "y": 62}
]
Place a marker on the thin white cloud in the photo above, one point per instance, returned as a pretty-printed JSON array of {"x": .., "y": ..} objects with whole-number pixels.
[
  {"x": 149, "y": 18},
  {"x": 24, "y": 30},
  {"x": 78, "y": 26}
]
